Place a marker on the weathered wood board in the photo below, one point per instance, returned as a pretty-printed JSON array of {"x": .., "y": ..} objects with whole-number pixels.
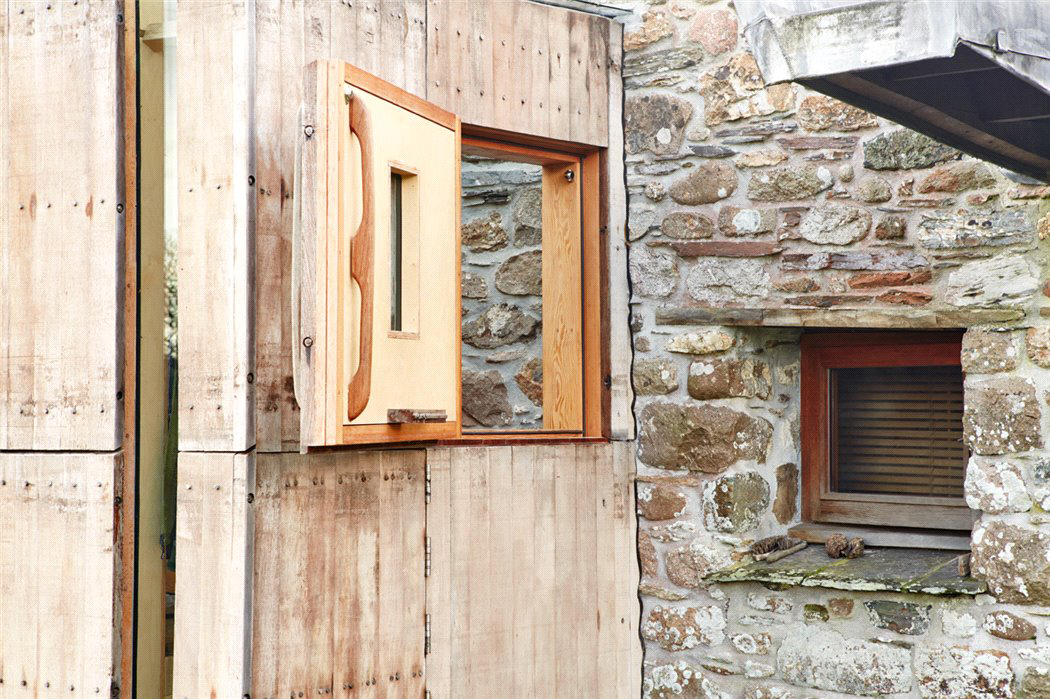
[
  {"x": 216, "y": 209},
  {"x": 534, "y": 575},
  {"x": 524, "y": 67},
  {"x": 339, "y": 574},
  {"x": 57, "y": 570},
  {"x": 214, "y": 540},
  {"x": 621, "y": 413},
  {"x": 61, "y": 227}
]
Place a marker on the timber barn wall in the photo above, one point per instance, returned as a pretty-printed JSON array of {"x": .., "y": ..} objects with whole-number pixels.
[{"x": 332, "y": 593}]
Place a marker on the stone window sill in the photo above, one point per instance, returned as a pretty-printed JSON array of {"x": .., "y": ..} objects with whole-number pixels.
[{"x": 918, "y": 571}]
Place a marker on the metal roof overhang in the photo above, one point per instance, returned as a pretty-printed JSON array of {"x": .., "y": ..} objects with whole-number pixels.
[{"x": 972, "y": 74}]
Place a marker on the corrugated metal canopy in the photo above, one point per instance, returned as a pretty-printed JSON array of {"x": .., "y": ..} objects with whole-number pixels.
[{"x": 974, "y": 75}]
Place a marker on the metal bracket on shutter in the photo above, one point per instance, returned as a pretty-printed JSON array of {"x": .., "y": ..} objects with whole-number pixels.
[
  {"x": 426, "y": 635},
  {"x": 426, "y": 564},
  {"x": 427, "y": 483}
]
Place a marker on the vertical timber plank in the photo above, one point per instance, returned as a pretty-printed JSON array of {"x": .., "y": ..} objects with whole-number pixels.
[
  {"x": 505, "y": 58},
  {"x": 265, "y": 583},
  {"x": 620, "y": 348},
  {"x": 216, "y": 207},
  {"x": 545, "y": 573},
  {"x": 580, "y": 77},
  {"x": 629, "y": 655},
  {"x": 365, "y": 49},
  {"x": 213, "y": 586},
  {"x": 608, "y": 575},
  {"x": 346, "y": 642},
  {"x": 439, "y": 584},
  {"x": 501, "y": 568},
  {"x": 558, "y": 56},
  {"x": 189, "y": 520},
  {"x": 25, "y": 665},
  {"x": 566, "y": 568},
  {"x": 598, "y": 82},
  {"x": 364, "y": 583},
  {"x": 97, "y": 633},
  {"x": 523, "y": 566},
  {"x": 280, "y": 90},
  {"x": 395, "y": 580},
  {"x": 5, "y": 292},
  {"x": 460, "y": 568},
  {"x": 477, "y": 103},
  {"x": 477, "y": 583},
  {"x": 404, "y": 576},
  {"x": 537, "y": 66},
  {"x": 415, "y": 47},
  {"x": 589, "y": 568}
]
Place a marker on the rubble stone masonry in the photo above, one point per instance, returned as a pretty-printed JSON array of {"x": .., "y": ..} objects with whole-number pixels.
[{"x": 754, "y": 210}]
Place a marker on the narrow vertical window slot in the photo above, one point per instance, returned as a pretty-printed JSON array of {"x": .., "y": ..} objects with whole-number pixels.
[
  {"x": 396, "y": 253},
  {"x": 404, "y": 251}
]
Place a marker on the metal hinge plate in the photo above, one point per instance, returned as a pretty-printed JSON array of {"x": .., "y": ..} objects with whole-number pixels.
[
  {"x": 426, "y": 564},
  {"x": 427, "y": 483},
  {"x": 426, "y": 635}
]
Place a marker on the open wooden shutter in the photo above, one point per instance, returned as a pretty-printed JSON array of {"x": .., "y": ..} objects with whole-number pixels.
[
  {"x": 898, "y": 430},
  {"x": 376, "y": 263}
]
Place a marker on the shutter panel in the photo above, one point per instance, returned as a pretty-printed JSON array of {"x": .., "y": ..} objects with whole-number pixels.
[
  {"x": 376, "y": 257},
  {"x": 898, "y": 431}
]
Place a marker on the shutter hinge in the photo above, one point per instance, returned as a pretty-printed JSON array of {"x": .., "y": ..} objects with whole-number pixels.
[
  {"x": 427, "y": 695},
  {"x": 426, "y": 635},
  {"x": 427, "y": 483},
  {"x": 426, "y": 563}
]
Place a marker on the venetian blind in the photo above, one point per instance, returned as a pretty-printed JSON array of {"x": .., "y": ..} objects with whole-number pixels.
[{"x": 898, "y": 431}]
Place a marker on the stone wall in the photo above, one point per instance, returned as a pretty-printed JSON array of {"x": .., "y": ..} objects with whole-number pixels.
[
  {"x": 752, "y": 207},
  {"x": 502, "y": 295}
]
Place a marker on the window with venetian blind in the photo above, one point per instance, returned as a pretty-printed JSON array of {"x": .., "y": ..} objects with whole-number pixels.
[{"x": 882, "y": 430}]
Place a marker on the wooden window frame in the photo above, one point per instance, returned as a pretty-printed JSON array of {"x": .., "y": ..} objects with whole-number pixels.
[
  {"x": 319, "y": 297},
  {"x": 822, "y": 352},
  {"x": 589, "y": 163}
]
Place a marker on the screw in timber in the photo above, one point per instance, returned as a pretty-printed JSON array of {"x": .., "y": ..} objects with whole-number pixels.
[
  {"x": 308, "y": 342},
  {"x": 309, "y": 131}
]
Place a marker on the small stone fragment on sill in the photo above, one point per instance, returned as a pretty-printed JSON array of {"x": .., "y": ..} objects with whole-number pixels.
[{"x": 838, "y": 546}]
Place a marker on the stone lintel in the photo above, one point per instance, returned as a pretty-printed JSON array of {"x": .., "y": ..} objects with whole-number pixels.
[
  {"x": 834, "y": 318},
  {"x": 918, "y": 571},
  {"x": 719, "y": 248}
]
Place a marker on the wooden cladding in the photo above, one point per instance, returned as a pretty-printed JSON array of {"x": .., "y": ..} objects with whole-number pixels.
[
  {"x": 882, "y": 430},
  {"x": 57, "y": 574},
  {"x": 898, "y": 430},
  {"x": 61, "y": 227},
  {"x": 521, "y": 67},
  {"x": 214, "y": 544},
  {"x": 339, "y": 575},
  {"x": 533, "y": 585}
]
